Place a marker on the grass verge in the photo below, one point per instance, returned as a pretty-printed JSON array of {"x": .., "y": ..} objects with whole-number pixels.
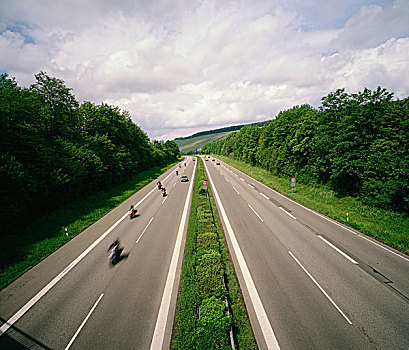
[
  {"x": 22, "y": 251},
  {"x": 386, "y": 226},
  {"x": 202, "y": 319}
]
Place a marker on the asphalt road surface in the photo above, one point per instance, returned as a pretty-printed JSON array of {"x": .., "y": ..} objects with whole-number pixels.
[
  {"x": 83, "y": 302},
  {"x": 308, "y": 281}
]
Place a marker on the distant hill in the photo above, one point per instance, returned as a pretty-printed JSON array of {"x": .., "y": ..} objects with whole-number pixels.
[{"x": 198, "y": 140}]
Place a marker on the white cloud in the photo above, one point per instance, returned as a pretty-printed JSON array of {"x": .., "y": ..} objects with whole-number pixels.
[
  {"x": 373, "y": 25},
  {"x": 195, "y": 65}
]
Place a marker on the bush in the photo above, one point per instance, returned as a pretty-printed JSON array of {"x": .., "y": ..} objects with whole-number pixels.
[{"x": 213, "y": 326}]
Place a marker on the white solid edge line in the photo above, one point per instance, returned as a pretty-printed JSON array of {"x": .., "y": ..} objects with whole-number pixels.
[
  {"x": 330, "y": 220},
  {"x": 160, "y": 327},
  {"x": 235, "y": 190},
  {"x": 255, "y": 212},
  {"x": 13, "y": 319},
  {"x": 137, "y": 241},
  {"x": 390, "y": 251},
  {"x": 322, "y": 290},
  {"x": 83, "y": 322},
  {"x": 338, "y": 250},
  {"x": 289, "y": 214},
  {"x": 261, "y": 314}
]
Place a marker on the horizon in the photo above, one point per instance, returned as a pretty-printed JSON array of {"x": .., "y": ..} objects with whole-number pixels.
[{"x": 191, "y": 66}]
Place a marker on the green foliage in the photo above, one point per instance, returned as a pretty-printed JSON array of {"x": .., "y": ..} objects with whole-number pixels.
[
  {"x": 356, "y": 144},
  {"x": 47, "y": 233},
  {"x": 387, "y": 226},
  {"x": 210, "y": 274},
  {"x": 213, "y": 325},
  {"x": 202, "y": 320},
  {"x": 54, "y": 150}
]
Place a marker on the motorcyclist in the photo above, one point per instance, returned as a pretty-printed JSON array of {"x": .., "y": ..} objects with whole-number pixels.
[
  {"x": 114, "y": 246},
  {"x": 114, "y": 252},
  {"x": 133, "y": 211}
]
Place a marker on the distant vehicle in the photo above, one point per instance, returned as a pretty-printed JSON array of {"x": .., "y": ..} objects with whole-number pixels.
[
  {"x": 206, "y": 159},
  {"x": 194, "y": 158},
  {"x": 184, "y": 178},
  {"x": 212, "y": 160},
  {"x": 217, "y": 163}
]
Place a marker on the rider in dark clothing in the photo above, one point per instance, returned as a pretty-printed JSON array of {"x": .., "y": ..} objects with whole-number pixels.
[{"x": 114, "y": 245}]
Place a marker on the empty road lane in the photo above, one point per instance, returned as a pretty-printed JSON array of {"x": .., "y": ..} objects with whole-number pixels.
[{"x": 321, "y": 284}]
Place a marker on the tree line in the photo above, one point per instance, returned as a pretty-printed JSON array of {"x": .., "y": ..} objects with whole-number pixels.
[
  {"x": 217, "y": 131},
  {"x": 54, "y": 149},
  {"x": 356, "y": 144}
]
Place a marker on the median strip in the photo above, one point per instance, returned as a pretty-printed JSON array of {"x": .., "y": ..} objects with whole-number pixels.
[
  {"x": 268, "y": 333},
  {"x": 210, "y": 312}
]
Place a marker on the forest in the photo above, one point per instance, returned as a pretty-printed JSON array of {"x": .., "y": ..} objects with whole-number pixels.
[
  {"x": 354, "y": 144},
  {"x": 55, "y": 149}
]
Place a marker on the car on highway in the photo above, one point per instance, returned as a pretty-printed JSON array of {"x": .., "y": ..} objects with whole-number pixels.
[
  {"x": 217, "y": 163},
  {"x": 184, "y": 178},
  {"x": 212, "y": 160},
  {"x": 206, "y": 159}
]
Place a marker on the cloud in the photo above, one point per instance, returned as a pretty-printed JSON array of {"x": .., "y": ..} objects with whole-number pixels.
[
  {"x": 195, "y": 65},
  {"x": 374, "y": 25}
]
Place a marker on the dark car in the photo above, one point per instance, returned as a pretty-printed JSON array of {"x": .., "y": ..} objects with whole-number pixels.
[{"x": 184, "y": 178}]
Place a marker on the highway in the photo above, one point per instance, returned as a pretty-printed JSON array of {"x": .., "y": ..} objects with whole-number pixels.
[
  {"x": 309, "y": 282},
  {"x": 74, "y": 299}
]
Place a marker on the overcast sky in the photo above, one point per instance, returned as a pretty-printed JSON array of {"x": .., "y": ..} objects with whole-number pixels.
[{"x": 184, "y": 66}]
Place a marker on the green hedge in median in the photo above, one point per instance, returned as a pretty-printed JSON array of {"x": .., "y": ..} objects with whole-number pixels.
[{"x": 203, "y": 318}]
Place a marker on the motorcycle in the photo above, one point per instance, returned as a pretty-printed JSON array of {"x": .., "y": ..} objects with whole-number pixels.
[
  {"x": 114, "y": 253},
  {"x": 133, "y": 212}
]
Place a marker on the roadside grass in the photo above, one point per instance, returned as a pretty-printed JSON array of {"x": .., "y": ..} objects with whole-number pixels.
[
  {"x": 202, "y": 319},
  {"x": 386, "y": 226},
  {"x": 22, "y": 251}
]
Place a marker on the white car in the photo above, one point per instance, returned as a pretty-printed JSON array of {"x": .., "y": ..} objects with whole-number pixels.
[{"x": 184, "y": 178}]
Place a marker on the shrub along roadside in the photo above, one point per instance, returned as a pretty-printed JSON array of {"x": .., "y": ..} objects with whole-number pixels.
[
  {"x": 386, "y": 226},
  {"x": 41, "y": 238},
  {"x": 202, "y": 318}
]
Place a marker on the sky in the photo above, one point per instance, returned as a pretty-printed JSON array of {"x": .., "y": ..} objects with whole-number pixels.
[{"x": 184, "y": 66}]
